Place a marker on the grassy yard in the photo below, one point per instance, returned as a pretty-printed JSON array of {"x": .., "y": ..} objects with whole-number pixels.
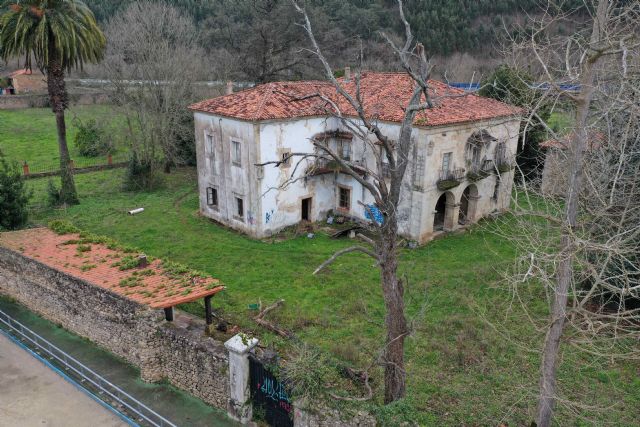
[
  {"x": 30, "y": 134},
  {"x": 468, "y": 361}
]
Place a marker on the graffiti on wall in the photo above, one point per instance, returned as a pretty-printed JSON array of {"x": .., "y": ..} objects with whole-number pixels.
[{"x": 269, "y": 216}]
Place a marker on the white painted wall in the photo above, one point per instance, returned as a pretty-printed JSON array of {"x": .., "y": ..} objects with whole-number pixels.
[{"x": 269, "y": 207}]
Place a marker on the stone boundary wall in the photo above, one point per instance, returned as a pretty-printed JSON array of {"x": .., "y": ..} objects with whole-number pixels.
[
  {"x": 140, "y": 335},
  {"x": 162, "y": 350}
]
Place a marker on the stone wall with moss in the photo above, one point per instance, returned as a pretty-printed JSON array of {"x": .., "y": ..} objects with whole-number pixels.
[{"x": 183, "y": 355}]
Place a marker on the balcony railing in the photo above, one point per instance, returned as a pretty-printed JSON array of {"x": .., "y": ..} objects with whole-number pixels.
[
  {"x": 504, "y": 164},
  {"x": 478, "y": 172},
  {"x": 326, "y": 165},
  {"x": 449, "y": 178}
]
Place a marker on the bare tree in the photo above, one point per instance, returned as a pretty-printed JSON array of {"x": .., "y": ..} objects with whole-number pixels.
[
  {"x": 153, "y": 60},
  {"x": 584, "y": 246},
  {"x": 384, "y": 180}
]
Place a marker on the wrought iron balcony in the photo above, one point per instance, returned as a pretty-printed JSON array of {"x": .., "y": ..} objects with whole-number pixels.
[
  {"x": 481, "y": 171},
  {"x": 504, "y": 164},
  {"x": 324, "y": 165},
  {"x": 449, "y": 178}
]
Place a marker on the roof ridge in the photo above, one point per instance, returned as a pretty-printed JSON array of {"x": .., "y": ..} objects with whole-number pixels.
[{"x": 267, "y": 95}]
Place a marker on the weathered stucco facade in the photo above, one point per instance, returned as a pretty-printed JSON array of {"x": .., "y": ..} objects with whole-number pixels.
[{"x": 267, "y": 206}]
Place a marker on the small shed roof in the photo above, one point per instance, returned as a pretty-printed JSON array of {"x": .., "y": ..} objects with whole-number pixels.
[
  {"x": 157, "y": 285},
  {"x": 24, "y": 72}
]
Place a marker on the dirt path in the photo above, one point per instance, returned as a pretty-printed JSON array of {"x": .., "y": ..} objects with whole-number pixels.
[{"x": 31, "y": 394}]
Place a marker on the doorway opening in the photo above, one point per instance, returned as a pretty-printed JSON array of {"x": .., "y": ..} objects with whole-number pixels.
[
  {"x": 438, "y": 220},
  {"x": 468, "y": 205},
  {"x": 306, "y": 209}
]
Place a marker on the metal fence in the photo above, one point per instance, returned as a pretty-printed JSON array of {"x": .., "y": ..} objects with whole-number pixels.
[
  {"x": 270, "y": 396},
  {"x": 35, "y": 168},
  {"x": 104, "y": 388}
]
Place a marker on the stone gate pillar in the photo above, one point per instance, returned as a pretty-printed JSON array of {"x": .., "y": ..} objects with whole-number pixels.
[{"x": 239, "y": 406}]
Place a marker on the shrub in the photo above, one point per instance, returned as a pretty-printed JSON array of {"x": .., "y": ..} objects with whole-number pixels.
[
  {"x": 141, "y": 173},
  {"x": 53, "y": 194},
  {"x": 14, "y": 196},
  {"x": 91, "y": 139}
]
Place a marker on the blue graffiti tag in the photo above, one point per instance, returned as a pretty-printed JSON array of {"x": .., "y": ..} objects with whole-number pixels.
[{"x": 268, "y": 216}]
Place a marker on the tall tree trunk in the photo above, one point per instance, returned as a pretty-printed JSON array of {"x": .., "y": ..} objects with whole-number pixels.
[
  {"x": 59, "y": 101},
  {"x": 564, "y": 274},
  {"x": 395, "y": 321}
]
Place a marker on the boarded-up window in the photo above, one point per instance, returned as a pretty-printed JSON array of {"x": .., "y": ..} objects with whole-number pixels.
[{"x": 212, "y": 197}]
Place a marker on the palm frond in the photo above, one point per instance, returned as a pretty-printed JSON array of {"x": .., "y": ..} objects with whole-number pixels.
[{"x": 31, "y": 28}]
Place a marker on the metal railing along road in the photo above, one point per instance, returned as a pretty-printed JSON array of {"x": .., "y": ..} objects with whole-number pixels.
[{"x": 104, "y": 387}]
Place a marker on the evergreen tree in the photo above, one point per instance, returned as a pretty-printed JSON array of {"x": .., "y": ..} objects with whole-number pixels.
[
  {"x": 514, "y": 87},
  {"x": 14, "y": 196}
]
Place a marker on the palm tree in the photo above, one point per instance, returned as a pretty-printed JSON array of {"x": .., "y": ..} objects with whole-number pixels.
[{"x": 59, "y": 35}]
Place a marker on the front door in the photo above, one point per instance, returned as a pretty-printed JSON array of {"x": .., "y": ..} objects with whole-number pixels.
[{"x": 306, "y": 209}]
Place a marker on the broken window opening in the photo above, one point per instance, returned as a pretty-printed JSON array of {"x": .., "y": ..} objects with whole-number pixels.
[{"x": 344, "y": 201}]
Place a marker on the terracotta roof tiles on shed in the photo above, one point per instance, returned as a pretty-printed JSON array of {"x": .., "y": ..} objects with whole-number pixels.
[{"x": 152, "y": 285}]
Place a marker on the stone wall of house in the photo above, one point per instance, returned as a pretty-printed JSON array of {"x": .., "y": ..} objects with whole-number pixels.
[{"x": 138, "y": 334}]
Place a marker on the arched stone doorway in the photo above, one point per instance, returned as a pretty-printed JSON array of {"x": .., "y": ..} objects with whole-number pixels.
[
  {"x": 443, "y": 218},
  {"x": 468, "y": 203}
]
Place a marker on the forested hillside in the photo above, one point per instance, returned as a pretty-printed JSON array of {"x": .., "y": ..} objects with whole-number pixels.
[
  {"x": 449, "y": 25},
  {"x": 258, "y": 40}
]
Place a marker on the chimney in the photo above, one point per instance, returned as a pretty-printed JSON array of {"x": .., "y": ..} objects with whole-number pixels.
[
  {"x": 229, "y": 89},
  {"x": 347, "y": 74}
]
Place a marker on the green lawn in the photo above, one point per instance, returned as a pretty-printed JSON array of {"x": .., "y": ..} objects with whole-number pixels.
[
  {"x": 468, "y": 362},
  {"x": 30, "y": 134}
]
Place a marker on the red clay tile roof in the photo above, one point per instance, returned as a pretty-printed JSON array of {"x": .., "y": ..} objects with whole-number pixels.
[
  {"x": 384, "y": 97},
  {"x": 151, "y": 285},
  {"x": 24, "y": 72},
  {"x": 596, "y": 140}
]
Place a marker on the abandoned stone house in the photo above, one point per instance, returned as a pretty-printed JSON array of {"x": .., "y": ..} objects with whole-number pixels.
[
  {"x": 28, "y": 81},
  {"x": 460, "y": 171}
]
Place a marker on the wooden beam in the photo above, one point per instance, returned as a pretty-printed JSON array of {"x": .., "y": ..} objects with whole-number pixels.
[{"x": 207, "y": 309}]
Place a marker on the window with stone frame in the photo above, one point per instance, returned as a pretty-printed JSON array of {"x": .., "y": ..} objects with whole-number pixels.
[
  {"x": 210, "y": 152},
  {"x": 285, "y": 157},
  {"x": 344, "y": 198},
  {"x": 344, "y": 149},
  {"x": 236, "y": 152},
  {"x": 212, "y": 197},
  {"x": 239, "y": 214},
  {"x": 446, "y": 161}
]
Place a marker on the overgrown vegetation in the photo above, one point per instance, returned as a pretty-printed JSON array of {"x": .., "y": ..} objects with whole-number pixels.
[
  {"x": 29, "y": 134},
  {"x": 91, "y": 139},
  {"x": 513, "y": 86},
  {"x": 14, "y": 196},
  {"x": 451, "y": 381}
]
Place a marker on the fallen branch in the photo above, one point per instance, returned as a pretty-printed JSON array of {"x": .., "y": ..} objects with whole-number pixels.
[
  {"x": 365, "y": 378},
  {"x": 346, "y": 251},
  {"x": 259, "y": 319}
]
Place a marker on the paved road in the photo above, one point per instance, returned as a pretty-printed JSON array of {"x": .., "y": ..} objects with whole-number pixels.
[{"x": 31, "y": 394}]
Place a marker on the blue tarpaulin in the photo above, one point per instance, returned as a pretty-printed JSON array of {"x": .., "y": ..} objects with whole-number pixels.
[{"x": 373, "y": 210}]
